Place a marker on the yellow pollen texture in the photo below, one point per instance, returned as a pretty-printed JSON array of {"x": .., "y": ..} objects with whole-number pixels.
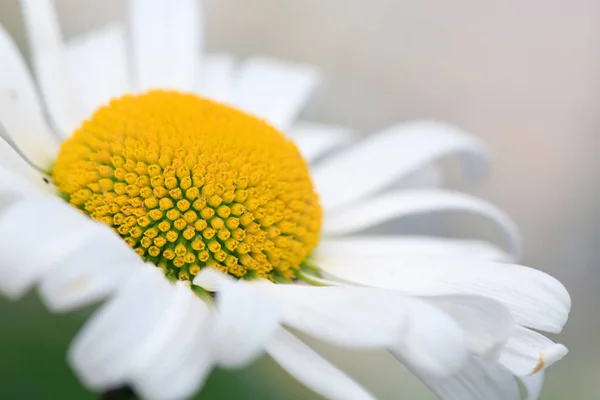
[{"x": 190, "y": 183}]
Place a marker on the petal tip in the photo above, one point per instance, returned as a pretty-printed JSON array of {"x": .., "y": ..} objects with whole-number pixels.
[{"x": 550, "y": 356}]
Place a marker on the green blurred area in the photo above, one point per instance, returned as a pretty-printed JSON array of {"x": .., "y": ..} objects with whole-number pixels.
[{"x": 33, "y": 345}]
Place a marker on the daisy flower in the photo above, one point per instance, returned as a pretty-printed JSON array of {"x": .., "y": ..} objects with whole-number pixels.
[{"x": 135, "y": 178}]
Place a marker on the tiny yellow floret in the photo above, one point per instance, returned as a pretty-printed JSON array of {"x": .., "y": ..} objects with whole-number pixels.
[{"x": 190, "y": 183}]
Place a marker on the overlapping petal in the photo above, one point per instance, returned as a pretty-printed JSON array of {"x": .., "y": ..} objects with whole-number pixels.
[
  {"x": 528, "y": 352},
  {"x": 21, "y": 113},
  {"x": 476, "y": 381},
  {"x": 399, "y": 204},
  {"x": 247, "y": 319},
  {"x": 535, "y": 299},
  {"x": 273, "y": 89},
  {"x": 162, "y": 349},
  {"x": 50, "y": 64},
  {"x": 388, "y": 156},
  {"x": 98, "y": 66},
  {"x": 312, "y": 370}
]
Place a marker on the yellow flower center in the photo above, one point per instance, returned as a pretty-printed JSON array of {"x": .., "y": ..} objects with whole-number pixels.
[{"x": 190, "y": 183}]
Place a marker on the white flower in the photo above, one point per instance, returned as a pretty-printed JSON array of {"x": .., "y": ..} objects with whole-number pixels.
[{"x": 458, "y": 313}]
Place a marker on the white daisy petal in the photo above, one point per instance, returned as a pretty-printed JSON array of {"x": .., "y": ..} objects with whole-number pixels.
[
  {"x": 90, "y": 272},
  {"x": 527, "y": 352},
  {"x": 381, "y": 159},
  {"x": 21, "y": 115},
  {"x": 46, "y": 225},
  {"x": 50, "y": 65},
  {"x": 216, "y": 80},
  {"x": 535, "y": 299},
  {"x": 486, "y": 323},
  {"x": 434, "y": 344},
  {"x": 176, "y": 358},
  {"x": 427, "y": 177},
  {"x": 106, "y": 351},
  {"x": 319, "y": 281},
  {"x": 14, "y": 188},
  {"x": 312, "y": 370},
  {"x": 15, "y": 164},
  {"x": 274, "y": 89},
  {"x": 476, "y": 381},
  {"x": 211, "y": 279},
  {"x": 315, "y": 139},
  {"x": 362, "y": 317},
  {"x": 395, "y": 205},
  {"x": 533, "y": 384},
  {"x": 246, "y": 321},
  {"x": 98, "y": 66},
  {"x": 389, "y": 245},
  {"x": 344, "y": 316},
  {"x": 165, "y": 38}
]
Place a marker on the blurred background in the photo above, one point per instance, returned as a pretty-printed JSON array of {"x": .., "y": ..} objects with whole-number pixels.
[{"x": 522, "y": 76}]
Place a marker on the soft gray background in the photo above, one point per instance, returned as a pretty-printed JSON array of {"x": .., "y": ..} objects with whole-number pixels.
[{"x": 523, "y": 76}]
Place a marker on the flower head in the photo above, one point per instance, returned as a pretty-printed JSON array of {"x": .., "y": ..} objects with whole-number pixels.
[
  {"x": 200, "y": 225},
  {"x": 190, "y": 183}
]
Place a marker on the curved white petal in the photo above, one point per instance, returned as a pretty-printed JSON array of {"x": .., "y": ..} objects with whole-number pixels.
[
  {"x": 312, "y": 370},
  {"x": 395, "y": 205},
  {"x": 14, "y": 188},
  {"x": 176, "y": 357},
  {"x": 49, "y": 62},
  {"x": 535, "y": 299},
  {"x": 15, "y": 164},
  {"x": 130, "y": 338},
  {"x": 433, "y": 344},
  {"x": 165, "y": 39},
  {"x": 211, "y": 279},
  {"x": 396, "y": 245},
  {"x": 89, "y": 272},
  {"x": 427, "y": 177},
  {"x": 39, "y": 232},
  {"x": 105, "y": 351},
  {"x": 315, "y": 139},
  {"x": 97, "y": 64},
  {"x": 486, "y": 324},
  {"x": 533, "y": 384},
  {"x": 476, "y": 381},
  {"x": 21, "y": 115},
  {"x": 319, "y": 281},
  {"x": 383, "y": 158},
  {"x": 274, "y": 89},
  {"x": 344, "y": 316},
  {"x": 246, "y": 319},
  {"x": 528, "y": 352},
  {"x": 216, "y": 80}
]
